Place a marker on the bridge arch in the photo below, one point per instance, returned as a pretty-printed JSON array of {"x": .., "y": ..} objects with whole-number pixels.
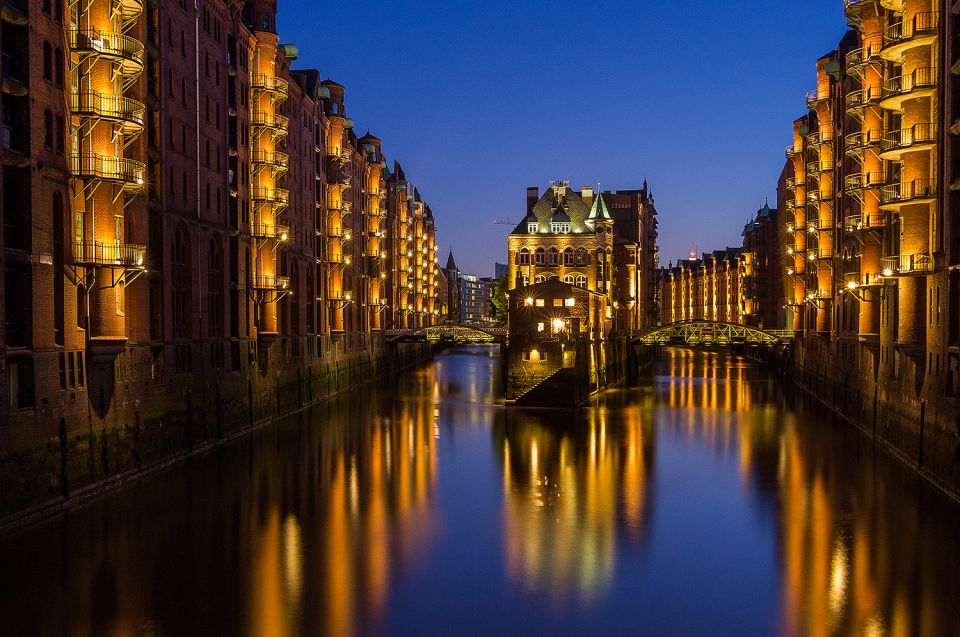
[{"x": 712, "y": 333}]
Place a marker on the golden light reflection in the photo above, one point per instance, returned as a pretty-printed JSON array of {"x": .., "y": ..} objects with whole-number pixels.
[{"x": 568, "y": 493}]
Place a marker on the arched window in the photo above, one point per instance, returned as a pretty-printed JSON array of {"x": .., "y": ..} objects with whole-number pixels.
[
  {"x": 553, "y": 256},
  {"x": 582, "y": 257},
  {"x": 293, "y": 299},
  {"x": 601, "y": 273},
  {"x": 524, "y": 256},
  {"x": 541, "y": 256},
  {"x": 568, "y": 279},
  {"x": 47, "y": 62},
  {"x": 215, "y": 288},
  {"x": 180, "y": 260},
  {"x": 581, "y": 281},
  {"x": 58, "y": 262},
  {"x": 58, "y": 65},
  {"x": 48, "y": 129},
  {"x": 539, "y": 279},
  {"x": 568, "y": 257},
  {"x": 61, "y": 133}
]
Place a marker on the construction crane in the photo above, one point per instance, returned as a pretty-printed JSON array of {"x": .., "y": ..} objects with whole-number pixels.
[{"x": 504, "y": 222}]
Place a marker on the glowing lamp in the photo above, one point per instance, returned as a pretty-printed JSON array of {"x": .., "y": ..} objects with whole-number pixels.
[
  {"x": 557, "y": 324},
  {"x": 528, "y": 300},
  {"x": 887, "y": 272},
  {"x": 851, "y": 285}
]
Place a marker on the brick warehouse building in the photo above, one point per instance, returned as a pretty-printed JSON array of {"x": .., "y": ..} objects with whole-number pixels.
[
  {"x": 605, "y": 242},
  {"x": 184, "y": 214}
]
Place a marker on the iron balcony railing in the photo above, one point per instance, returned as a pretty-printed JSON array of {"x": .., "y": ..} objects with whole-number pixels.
[
  {"x": 862, "y": 181},
  {"x": 862, "y": 98},
  {"x": 113, "y": 107},
  {"x": 863, "y": 56},
  {"x": 915, "y": 189},
  {"x": 275, "y": 158},
  {"x": 269, "y": 83},
  {"x": 129, "y": 172},
  {"x": 819, "y": 138},
  {"x": 916, "y": 135},
  {"x": 274, "y": 121},
  {"x": 271, "y": 195},
  {"x": 861, "y": 140},
  {"x": 270, "y": 282},
  {"x": 819, "y": 166},
  {"x": 270, "y": 231},
  {"x": 129, "y": 9},
  {"x": 112, "y": 45},
  {"x": 794, "y": 182},
  {"x": 857, "y": 223},
  {"x": 924, "y": 24},
  {"x": 906, "y": 264},
  {"x": 902, "y": 85},
  {"x": 109, "y": 255},
  {"x": 816, "y": 97}
]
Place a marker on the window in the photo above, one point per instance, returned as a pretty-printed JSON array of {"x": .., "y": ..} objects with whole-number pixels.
[
  {"x": 61, "y": 133},
  {"x": 581, "y": 281},
  {"x": 48, "y": 130},
  {"x": 181, "y": 283},
  {"x": 539, "y": 279},
  {"x": 541, "y": 256},
  {"x": 532, "y": 228},
  {"x": 557, "y": 302},
  {"x": 540, "y": 328},
  {"x": 560, "y": 228},
  {"x": 215, "y": 288},
  {"x": 552, "y": 256},
  {"x": 58, "y": 67},
  {"x": 524, "y": 256},
  {"x": 47, "y": 62},
  {"x": 568, "y": 257},
  {"x": 569, "y": 302},
  {"x": 540, "y": 302}
]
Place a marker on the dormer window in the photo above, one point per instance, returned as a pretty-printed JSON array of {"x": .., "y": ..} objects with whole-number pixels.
[
  {"x": 560, "y": 228},
  {"x": 532, "y": 228}
]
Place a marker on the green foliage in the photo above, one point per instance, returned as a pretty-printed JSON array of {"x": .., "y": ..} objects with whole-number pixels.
[{"x": 498, "y": 300}]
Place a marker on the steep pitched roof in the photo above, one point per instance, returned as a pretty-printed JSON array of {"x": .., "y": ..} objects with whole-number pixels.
[
  {"x": 451, "y": 264},
  {"x": 599, "y": 210},
  {"x": 552, "y": 203}
]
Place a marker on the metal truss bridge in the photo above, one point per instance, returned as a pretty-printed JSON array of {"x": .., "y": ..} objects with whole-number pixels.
[
  {"x": 451, "y": 334},
  {"x": 708, "y": 333}
]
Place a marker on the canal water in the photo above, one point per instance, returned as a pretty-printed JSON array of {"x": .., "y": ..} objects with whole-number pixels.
[{"x": 702, "y": 502}]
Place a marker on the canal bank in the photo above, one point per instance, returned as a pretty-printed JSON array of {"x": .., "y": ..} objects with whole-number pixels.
[
  {"x": 911, "y": 414},
  {"x": 187, "y": 417},
  {"x": 613, "y": 519}
]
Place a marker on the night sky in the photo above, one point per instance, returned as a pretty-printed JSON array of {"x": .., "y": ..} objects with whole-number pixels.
[{"x": 479, "y": 100}]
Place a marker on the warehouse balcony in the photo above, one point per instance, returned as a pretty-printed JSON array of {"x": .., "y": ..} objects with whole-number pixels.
[
  {"x": 98, "y": 254},
  {"x": 127, "y": 173},
  {"x": 128, "y": 114},
  {"x": 920, "y": 83},
  {"x": 126, "y": 52},
  {"x": 906, "y": 265},
  {"x": 917, "y": 137},
  {"x": 920, "y": 30}
]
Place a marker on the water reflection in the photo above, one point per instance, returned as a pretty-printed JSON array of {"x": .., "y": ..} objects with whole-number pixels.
[
  {"x": 571, "y": 487},
  {"x": 703, "y": 501}
]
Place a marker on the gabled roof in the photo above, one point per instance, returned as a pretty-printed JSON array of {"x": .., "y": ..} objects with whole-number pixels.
[
  {"x": 451, "y": 264},
  {"x": 557, "y": 200}
]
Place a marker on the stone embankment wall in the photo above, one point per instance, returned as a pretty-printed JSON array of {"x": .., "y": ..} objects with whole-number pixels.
[
  {"x": 910, "y": 413},
  {"x": 181, "y": 421},
  {"x": 554, "y": 374}
]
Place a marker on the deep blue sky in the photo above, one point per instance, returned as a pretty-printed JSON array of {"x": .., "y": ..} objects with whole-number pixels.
[{"x": 478, "y": 100}]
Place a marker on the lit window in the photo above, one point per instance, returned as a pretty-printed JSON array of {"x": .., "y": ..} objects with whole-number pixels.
[
  {"x": 540, "y": 327},
  {"x": 541, "y": 302},
  {"x": 569, "y": 302},
  {"x": 560, "y": 228},
  {"x": 557, "y": 302},
  {"x": 532, "y": 228}
]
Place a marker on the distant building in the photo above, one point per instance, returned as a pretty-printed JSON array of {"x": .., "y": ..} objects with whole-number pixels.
[
  {"x": 468, "y": 296},
  {"x": 500, "y": 270}
]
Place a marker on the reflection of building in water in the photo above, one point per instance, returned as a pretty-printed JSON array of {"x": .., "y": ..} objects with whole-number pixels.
[
  {"x": 569, "y": 494},
  {"x": 712, "y": 381},
  {"x": 856, "y": 556},
  {"x": 370, "y": 498}
]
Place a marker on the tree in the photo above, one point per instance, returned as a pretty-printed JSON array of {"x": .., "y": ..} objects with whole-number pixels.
[{"x": 498, "y": 300}]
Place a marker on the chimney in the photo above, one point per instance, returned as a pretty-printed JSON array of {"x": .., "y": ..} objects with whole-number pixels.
[
  {"x": 533, "y": 196},
  {"x": 586, "y": 193}
]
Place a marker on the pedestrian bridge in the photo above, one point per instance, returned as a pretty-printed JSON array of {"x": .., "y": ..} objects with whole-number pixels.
[
  {"x": 451, "y": 334},
  {"x": 707, "y": 333}
]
